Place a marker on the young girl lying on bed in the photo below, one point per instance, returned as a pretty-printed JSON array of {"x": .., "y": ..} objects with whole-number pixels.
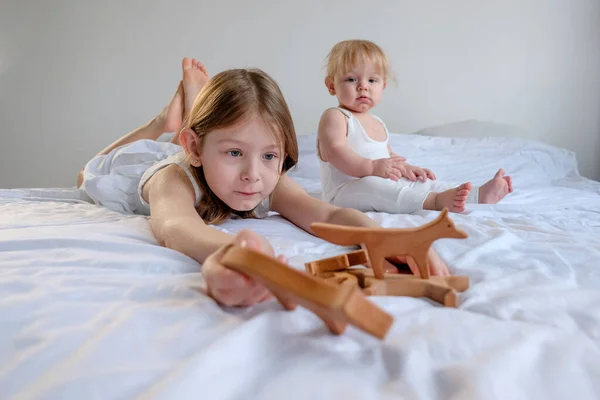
[
  {"x": 230, "y": 157},
  {"x": 358, "y": 168}
]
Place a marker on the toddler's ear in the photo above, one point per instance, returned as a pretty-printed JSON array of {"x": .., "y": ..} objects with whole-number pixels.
[
  {"x": 190, "y": 143},
  {"x": 330, "y": 86}
]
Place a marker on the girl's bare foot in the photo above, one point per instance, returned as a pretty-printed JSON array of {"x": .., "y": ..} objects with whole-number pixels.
[
  {"x": 495, "y": 189},
  {"x": 173, "y": 113},
  {"x": 194, "y": 79},
  {"x": 454, "y": 199}
]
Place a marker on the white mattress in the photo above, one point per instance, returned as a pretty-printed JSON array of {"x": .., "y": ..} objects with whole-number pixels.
[{"x": 92, "y": 308}]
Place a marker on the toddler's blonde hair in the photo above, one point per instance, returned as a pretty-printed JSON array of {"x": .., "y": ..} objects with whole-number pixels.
[{"x": 348, "y": 53}]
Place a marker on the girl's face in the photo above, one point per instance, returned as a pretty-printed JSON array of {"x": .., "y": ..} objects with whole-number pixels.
[
  {"x": 359, "y": 89},
  {"x": 242, "y": 163}
]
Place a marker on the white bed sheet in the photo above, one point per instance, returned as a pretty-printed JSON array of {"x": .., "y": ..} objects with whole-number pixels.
[{"x": 91, "y": 307}]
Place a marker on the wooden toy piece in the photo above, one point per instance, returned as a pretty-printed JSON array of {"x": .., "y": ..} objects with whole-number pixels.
[
  {"x": 438, "y": 288},
  {"x": 387, "y": 242},
  {"x": 341, "y": 278},
  {"x": 336, "y": 305},
  {"x": 413, "y": 288},
  {"x": 337, "y": 263},
  {"x": 458, "y": 283}
]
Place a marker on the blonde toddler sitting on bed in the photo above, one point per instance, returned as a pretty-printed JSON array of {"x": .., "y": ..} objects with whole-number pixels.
[
  {"x": 358, "y": 167},
  {"x": 235, "y": 142}
]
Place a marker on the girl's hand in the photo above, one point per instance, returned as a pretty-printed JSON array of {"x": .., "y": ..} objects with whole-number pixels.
[{"x": 231, "y": 288}]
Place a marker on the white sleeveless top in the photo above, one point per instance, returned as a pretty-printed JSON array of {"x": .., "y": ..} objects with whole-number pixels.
[{"x": 332, "y": 179}]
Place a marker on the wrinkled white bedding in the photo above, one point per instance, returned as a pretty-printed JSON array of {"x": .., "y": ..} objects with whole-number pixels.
[{"x": 91, "y": 307}]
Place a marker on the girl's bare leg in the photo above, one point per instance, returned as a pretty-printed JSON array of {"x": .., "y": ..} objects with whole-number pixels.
[
  {"x": 194, "y": 79},
  {"x": 171, "y": 117}
]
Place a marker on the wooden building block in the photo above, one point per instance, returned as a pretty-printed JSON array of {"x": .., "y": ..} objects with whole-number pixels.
[
  {"x": 337, "y": 263},
  {"x": 413, "y": 288},
  {"x": 458, "y": 283}
]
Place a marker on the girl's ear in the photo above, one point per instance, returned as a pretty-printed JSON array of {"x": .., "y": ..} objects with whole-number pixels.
[
  {"x": 330, "y": 86},
  {"x": 191, "y": 144}
]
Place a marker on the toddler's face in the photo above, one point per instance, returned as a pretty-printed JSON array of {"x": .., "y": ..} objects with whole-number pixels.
[
  {"x": 360, "y": 88},
  {"x": 242, "y": 163}
]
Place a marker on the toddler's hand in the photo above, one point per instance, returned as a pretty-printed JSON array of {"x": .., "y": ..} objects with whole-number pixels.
[
  {"x": 388, "y": 168},
  {"x": 231, "y": 288},
  {"x": 414, "y": 173}
]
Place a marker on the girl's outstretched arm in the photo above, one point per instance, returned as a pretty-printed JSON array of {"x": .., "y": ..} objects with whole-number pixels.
[
  {"x": 175, "y": 222},
  {"x": 177, "y": 226},
  {"x": 292, "y": 202}
]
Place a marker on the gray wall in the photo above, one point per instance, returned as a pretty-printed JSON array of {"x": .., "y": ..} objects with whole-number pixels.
[{"x": 75, "y": 75}]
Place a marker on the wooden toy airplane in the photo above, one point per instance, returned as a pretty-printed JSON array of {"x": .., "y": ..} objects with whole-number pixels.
[{"x": 335, "y": 292}]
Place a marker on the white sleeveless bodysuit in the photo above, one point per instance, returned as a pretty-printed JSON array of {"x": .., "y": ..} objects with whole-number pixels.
[{"x": 373, "y": 193}]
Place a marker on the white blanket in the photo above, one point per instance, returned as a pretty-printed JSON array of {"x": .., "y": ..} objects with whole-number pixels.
[{"x": 91, "y": 307}]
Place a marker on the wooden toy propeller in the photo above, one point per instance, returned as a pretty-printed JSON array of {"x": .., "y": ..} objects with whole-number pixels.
[{"x": 387, "y": 242}]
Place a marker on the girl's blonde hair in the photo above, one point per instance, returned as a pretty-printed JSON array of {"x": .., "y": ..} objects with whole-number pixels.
[
  {"x": 348, "y": 53},
  {"x": 227, "y": 99}
]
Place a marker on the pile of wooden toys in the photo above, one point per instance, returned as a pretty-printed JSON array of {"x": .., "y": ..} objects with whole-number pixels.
[{"x": 335, "y": 288}]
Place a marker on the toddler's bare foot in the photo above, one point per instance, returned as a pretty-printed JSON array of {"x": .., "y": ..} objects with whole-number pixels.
[
  {"x": 194, "y": 79},
  {"x": 454, "y": 199},
  {"x": 495, "y": 189}
]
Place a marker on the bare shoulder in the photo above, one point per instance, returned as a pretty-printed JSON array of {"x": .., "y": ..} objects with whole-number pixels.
[
  {"x": 168, "y": 182},
  {"x": 332, "y": 117},
  {"x": 332, "y": 132}
]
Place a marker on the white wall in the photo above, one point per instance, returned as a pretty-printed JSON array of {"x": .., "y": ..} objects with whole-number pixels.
[{"x": 75, "y": 75}]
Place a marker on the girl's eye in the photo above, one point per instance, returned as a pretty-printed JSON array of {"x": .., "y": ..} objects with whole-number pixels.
[
  {"x": 270, "y": 156},
  {"x": 234, "y": 153},
  {"x": 372, "y": 80},
  {"x": 351, "y": 80}
]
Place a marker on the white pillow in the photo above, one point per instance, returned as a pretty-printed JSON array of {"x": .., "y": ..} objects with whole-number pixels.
[{"x": 474, "y": 129}]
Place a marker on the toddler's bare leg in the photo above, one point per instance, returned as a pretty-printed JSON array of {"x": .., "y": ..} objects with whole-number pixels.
[
  {"x": 454, "y": 199},
  {"x": 495, "y": 189}
]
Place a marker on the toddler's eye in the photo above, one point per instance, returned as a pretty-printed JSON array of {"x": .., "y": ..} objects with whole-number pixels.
[
  {"x": 270, "y": 156},
  {"x": 350, "y": 80},
  {"x": 234, "y": 153},
  {"x": 372, "y": 80}
]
